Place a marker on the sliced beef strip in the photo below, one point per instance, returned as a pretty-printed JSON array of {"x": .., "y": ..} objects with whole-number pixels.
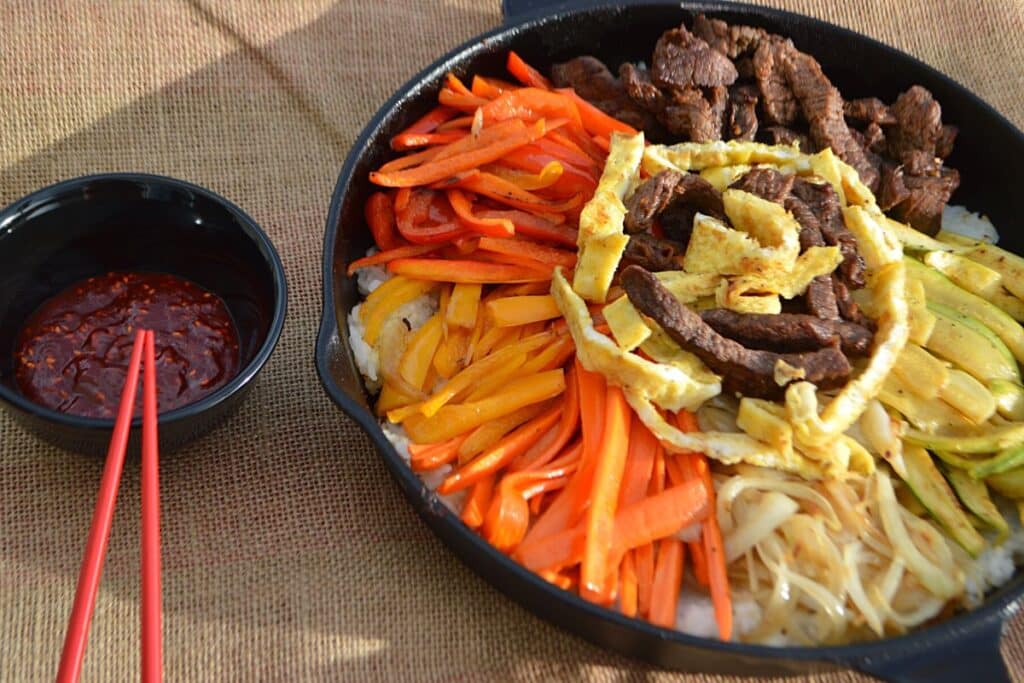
[
  {"x": 891, "y": 189},
  {"x": 918, "y": 124},
  {"x": 822, "y": 106},
  {"x": 922, "y": 209},
  {"x": 921, "y": 163},
  {"x": 742, "y": 119},
  {"x": 663, "y": 194},
  {"x": 682, "y": 60},
  {"x": 869, "y": 110},
  {"x": 750, "y": 372},
  {"x": 824, "y": 203},
  {"x": 848, "y": 308},
  {"x": 820, "y": 299},
  {"x": 652, "y": 253},
  {"x": 745, "y": 68},
  {"x": 944, "y": 145},
  {"x": 788, "y": 332},
  {"x": 649, "y": 200},
  {"x": 780, "y": 135},
  {"x": 730, "y": 40},
  {"x": 778, "y": 102},
  {"x": 766, "y": 183},
  {"x": 592, "y": 81}
]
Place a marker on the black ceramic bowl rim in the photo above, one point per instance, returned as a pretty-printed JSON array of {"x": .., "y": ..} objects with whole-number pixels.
[
  {"x": 250, "y": 229},
  {"x": 967, "y": 633}
]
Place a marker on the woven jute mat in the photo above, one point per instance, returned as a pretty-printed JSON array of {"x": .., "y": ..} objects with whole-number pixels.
[{"x": 288, "y": 552}]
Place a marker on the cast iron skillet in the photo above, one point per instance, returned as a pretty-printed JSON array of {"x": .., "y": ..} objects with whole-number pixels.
[{"x": 988, "y": 154}]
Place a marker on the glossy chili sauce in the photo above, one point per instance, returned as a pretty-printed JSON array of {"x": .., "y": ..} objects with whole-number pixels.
[{"x": 73, "y": 352}]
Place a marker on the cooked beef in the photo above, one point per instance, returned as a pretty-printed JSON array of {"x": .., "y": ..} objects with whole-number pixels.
[
  {"x": 788, "y": 332},
  {"x": 731, "y": 41},
  {"x": 650, "y": 199},
  {"x": 824, "y": 203},
  {"x": 848, "y": 308},
  {"x": 918, "y": 124},
  {"x": 690, "y": 116},
  {"x": 745, "y": 68},
  {"x": 674, "y": 198},
  {"x": 874, "y": 138},
  {"x": 682, "y": 60},
  {"x": 922, "y": 209},
  {"x": 869, "y": 110},
  {"x": 640, "y": 89},
  {"x": 742, "y": 121},
  {"x": 778, "y": 102},
  {"x": 891, "y": 189},
  {"x": 921, "y": 163},
  {"x": 944, "y": 145},
  {"x": 820, "y": 298},
  {"x": 652, "y": 253},
  {"x": 780, "y": 135},
  {"x": 766, "y": 183},
  {"x": 750, "y": 372},
  {"x": 822, "y": 106},
  {"x": 592, "y": 81}
]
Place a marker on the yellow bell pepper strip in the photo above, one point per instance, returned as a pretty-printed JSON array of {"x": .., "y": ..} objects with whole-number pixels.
[
  {"x": 510, "y": 311},
  {"x": 382, "y": 308},
  {"x": 486, "y": 435},
  {"x": 548, "y": 176},
  {"x": 464, "y": 270},
  {"x": 416, "y": 361},
  {"x": 455, "y": 419},
  {"x": 462, "y": 307},
  {"x": 451, "y": 352}
]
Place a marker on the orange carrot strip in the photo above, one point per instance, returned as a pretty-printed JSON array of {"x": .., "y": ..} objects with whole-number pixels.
[
  {"x": 439, "y": 169},
  {"x": 644, "y": 577},
  {"x": 603, "y": 142},
  {"x": 463, "y": 207},
  {"x": 402, "y": 252},
  {"x": 563, "y": 581},
  {"x": 643, "y": 446},
  {"x": 567, "y": 155},
  {"x": 477, "y": 502},
  {"x": 532, "y": 226},
  {"x": 502, "y": 453},
  {"x": 464, "y": 144},
  {"x": 653, "y": 518},
  {"x": 628, "y": 586},
  {"x": 455, "y": 84},
  {"x": 668, "y": 577},
  {"x": 520, "y": 247},
  {"x": 507, "y": 519},
  {"x": 594, "y": 581},
  {"x": 404, "y": 141},
  {"x": 595, "y": 121},
  {"x": 566, "y": 428},
  {"x": 700, "y": 562},
  {"x": 482, "y": 87},
  {"x": 465, "y": 271},
  {"x": 525, "y": 73},
  {"x": 380, "y": 218}
]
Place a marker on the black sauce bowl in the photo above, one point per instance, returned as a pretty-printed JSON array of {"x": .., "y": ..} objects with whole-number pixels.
[{"x": 134, "y": 222}]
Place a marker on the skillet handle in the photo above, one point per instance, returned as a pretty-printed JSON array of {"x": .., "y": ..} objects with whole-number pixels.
[{"x": 969, "y": 657}]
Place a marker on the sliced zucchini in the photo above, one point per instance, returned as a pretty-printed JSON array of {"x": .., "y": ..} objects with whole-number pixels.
[
  {"x": 927, "y": 483},
  {"x": 974, "y": 496}
]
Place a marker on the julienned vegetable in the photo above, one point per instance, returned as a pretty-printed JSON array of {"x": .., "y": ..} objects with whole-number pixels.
[{"x": 554, "y": 467}]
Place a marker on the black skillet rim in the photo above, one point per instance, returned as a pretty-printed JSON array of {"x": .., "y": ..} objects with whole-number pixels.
[
  {"x": 251, "y": 230},
  {"x": 869, "y": 655}
]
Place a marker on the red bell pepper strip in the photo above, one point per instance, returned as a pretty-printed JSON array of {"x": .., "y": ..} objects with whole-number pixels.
[
  {"x": 380, "y": 216},
  {"x": 408, "y": 251},
  {"x": 525, "y": 73},
  {"x": 463, "y": 207}
]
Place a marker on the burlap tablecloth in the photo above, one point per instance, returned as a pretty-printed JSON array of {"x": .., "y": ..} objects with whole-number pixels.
[{"x": 288, "y": 553}]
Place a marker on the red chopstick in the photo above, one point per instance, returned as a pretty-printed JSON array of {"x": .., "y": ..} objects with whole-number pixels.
[
  {"x": 152, "y": 646},
  {"x": 99, "y": 533}
]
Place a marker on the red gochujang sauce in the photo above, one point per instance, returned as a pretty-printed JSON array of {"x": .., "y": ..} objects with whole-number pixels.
[{"x": 72, "y": 354}]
